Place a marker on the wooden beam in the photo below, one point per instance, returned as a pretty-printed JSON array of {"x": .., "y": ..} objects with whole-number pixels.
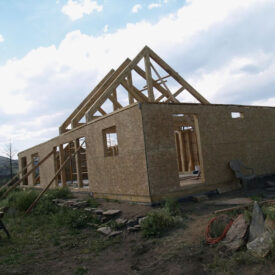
[
  {"x": 27, "y": 174},
  {"x": 155, "y": 83},
  {"x": 134, "y": 92},
  {"x": 78, "y": 163},
  {"x": 61, "y": 161},
  {"x": 50, "y": 183},
  {"x": 176, "y": 93},
  {"x": 149, "y": 77},
  {"x": 114, "y": 84},
  {"x": 100, "y": 91},
  {"x": 76, "y": 112},
  {"x": 177, "y": 77},
  {"x": 130, "y": 84},
  {"x": 116, "y": 104},
  {"x": 163, "y": 82},
  {"x": 16, "y": 176}
]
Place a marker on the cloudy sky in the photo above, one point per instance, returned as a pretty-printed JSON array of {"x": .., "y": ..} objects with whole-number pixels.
[{"x": 52, "y": 53}]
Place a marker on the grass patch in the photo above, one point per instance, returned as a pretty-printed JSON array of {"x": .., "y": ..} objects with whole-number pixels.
[{"x": 158, "y": 222}]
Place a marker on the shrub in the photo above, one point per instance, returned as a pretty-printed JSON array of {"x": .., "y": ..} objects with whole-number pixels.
[
  {"x": 173, "y": 206},
  {"x": 157, "y": 223}
]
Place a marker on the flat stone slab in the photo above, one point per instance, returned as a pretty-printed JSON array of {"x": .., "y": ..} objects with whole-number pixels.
[
  {"x": 115, "y": 233},
  {"x": 234, "y": 238},
  {"x": 132, "y": 229},
  {"x": 256, "y": 228},
  {"x": 111, "y": 212},
  {"x": 105, "y": 230}
]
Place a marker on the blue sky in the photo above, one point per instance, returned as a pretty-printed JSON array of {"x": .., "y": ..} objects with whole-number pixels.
[{"x": 53, "y": 52}]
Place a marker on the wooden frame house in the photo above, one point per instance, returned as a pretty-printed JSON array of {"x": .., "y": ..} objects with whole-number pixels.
[{"x": 148, "y": 145}]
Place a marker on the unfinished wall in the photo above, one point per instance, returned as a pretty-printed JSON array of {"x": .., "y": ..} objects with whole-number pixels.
[
  {"x": 122, "y": 176},
  {"x": 250, "y": 138}
]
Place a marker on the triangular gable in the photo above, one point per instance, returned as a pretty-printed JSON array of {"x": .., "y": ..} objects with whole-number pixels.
[{"x": 155, "y": 89}]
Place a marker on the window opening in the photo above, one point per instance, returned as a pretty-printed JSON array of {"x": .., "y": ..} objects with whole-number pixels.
[
  {"x": 237, "y": 115},
  {"x": 110, "y": 142},
  {"x": 36, "y": 172}
]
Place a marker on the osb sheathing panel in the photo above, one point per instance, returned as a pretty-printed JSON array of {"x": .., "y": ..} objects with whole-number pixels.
[
  {"x": 250, "y": 139},
  {"x": 123, "y": 176}
]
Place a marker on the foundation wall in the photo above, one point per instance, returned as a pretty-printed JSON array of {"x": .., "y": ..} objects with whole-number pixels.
[
  {"x": 250, "y": 139},
  {"x": 123, "y": 176}
]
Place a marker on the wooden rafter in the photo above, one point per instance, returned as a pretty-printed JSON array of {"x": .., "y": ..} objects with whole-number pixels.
[{"x": 106, "y": 89}]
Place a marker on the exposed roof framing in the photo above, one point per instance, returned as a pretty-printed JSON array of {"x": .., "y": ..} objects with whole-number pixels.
[{"x": 155, "y": 90}]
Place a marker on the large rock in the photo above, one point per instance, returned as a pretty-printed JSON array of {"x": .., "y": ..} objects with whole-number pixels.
[
  {"x": 105, "y": 230},
  {"x": 256, "y": 228},
  {"x": 262, "y": 245},
  {"x": 111, "y": 213},
  {"x": 235, "y": 236},
  {"x": 115, "y": 233},
  {"x": 121, "y": 221}
]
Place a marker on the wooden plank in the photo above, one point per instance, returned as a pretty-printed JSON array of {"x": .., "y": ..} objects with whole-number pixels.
[
  {"x": 78, "y": 163},
  {"x": 177, "y": 77},
  {"x": 27, "y": 174},
  {"x": 182, "y": 151},
  {"x": 116, "y": 104},
  {"x": 82, "y": 105},
  {"x": 134, "y": 92},
  {"x": 51, "y": 181},
  {"x": 100, "y": 91},
  {"x": 61, "y": 161},
  {"x": 55, "y": 164},
  {"x": 176, "y": 93},
  {"x": 148, "y": 73},
  {"x": 130, "y": 84},
  {"x": 16, "y": 176},
  {"x": 114, "y": 84},
  {"x": 155, "y": 83},
  {"x": 163, "y": 82}
]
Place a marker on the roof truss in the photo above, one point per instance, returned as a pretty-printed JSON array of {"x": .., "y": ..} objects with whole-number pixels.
[{"x": 156, "y": 88}]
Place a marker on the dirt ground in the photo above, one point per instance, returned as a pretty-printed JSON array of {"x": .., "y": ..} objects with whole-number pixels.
[{"x": 181, "y": 251}]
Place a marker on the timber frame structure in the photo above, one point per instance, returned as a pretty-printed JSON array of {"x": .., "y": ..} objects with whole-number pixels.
[{"x": 133, "y": 139}]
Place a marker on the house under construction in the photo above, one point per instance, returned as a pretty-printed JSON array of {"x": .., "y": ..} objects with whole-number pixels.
[{"x": 132, "y": 138}]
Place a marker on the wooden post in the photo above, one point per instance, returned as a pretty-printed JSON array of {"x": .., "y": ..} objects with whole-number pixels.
[
  {"x": 51, "y": 181},
  {"x": 61, "y": 160},
  {"x": 26, "y": 175},
  {"x": 130, "y": 83},
  {"x": 149, "y": 77},
  {"x": 78, "y": 163}
]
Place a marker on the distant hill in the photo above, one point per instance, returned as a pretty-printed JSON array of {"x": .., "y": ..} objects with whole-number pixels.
[{"x": 5, "y": 166}]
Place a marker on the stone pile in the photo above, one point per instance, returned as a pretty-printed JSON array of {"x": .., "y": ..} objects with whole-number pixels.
[
  {"x": 258, "y": 236},
  {"x": 109, "y": 218}
]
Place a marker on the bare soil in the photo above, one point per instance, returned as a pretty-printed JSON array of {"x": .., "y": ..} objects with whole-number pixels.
[{"x": 181, "y": 251}]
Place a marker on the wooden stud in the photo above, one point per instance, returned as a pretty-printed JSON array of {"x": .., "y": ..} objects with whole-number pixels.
[
  {"x": 61, "y": 160},
  {"x": 149, "y": 77},
  {"x": 130, "y": 84},
  {"x": 26, "y": 175},
  {"x": 78, "y": 163},
  {"x": 77, "y": 112}
]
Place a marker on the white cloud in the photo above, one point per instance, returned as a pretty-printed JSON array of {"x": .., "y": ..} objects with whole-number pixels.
[
  {"x": 154, "y": 5},
  {"x": 136, "y": 8},
  {"x": 1, "y": 38},
  {"x": 76, "y": 9},
  {"x": 54, "y": 79},
  {"x": 106, "y": 28}
]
